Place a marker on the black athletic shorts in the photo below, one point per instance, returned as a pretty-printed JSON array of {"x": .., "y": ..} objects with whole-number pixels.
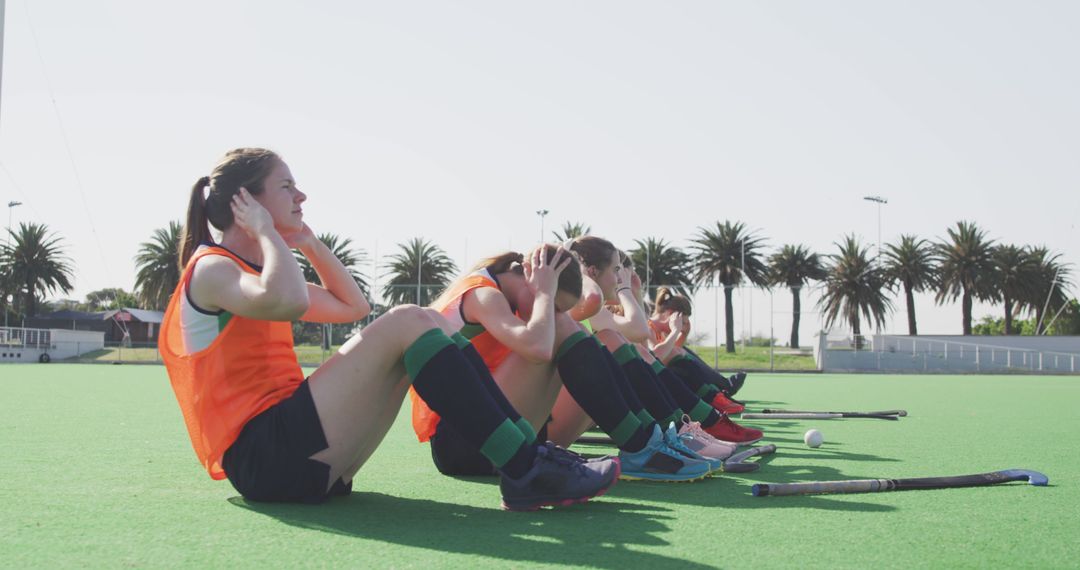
[
  {"x": 456, "y": 457},
  {"x": 269, "y": 461}
]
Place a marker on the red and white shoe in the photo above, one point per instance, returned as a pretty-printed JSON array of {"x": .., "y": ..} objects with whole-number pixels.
[
  {"x": 731, "y": 432},
  {"x": 725, "y": 405}
]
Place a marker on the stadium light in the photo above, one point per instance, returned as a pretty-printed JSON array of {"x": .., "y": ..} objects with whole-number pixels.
[
  {"x": 879, "y": 201},
  {"x": 542, "y": 213},
  {"x": 11, "y": 206}
]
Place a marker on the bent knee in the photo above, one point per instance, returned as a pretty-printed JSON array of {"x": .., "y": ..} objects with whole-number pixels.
[
  {"x": 611, "y": 339},
  {"x": 410, "y": 318}
]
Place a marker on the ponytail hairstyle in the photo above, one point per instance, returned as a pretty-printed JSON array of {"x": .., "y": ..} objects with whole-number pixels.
[
  {"x": 666, "y": 300},
  {"x": 512, "y": 262},
  {"x": 593, "y": 251},
  {"x": 241, "y": 167}
]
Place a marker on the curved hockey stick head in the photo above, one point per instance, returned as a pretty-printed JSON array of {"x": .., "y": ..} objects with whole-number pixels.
[{"x": 1033, "y": 477}]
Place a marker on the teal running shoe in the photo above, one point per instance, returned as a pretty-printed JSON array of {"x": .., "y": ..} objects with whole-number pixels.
[{"x": 657, "y": 461}]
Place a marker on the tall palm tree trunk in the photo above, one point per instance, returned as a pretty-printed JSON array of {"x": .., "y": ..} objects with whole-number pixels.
[
  {"x": 1008, "y": 314},
  {"x": 966, "y": 307},
  {"x": 856, "y": 330},
  {"x": 909, "y": 296},
  {"x": 796, "y": 308},
  {"x": 729, "y": 320}
]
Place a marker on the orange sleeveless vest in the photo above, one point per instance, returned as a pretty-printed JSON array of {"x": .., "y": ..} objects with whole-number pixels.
[
  {"x": 424, "y": 419},
  {"x": 657, "y": 334},
  {"x": 249, "y": 367}
]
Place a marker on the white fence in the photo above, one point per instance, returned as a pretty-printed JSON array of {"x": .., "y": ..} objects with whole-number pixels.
[{"x": 961, "y": 354}]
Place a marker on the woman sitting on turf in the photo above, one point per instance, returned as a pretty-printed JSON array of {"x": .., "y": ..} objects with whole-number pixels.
[
  {"x": 622, "y": 328},
  {"x": 670, "y": 325},
  {"x": 227, "y": 344},
  {"x": 538, "y": 354}
]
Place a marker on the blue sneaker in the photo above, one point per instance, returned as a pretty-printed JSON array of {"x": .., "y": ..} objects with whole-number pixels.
[
  {"x": 555, "y": 479},
  {"x": 659, "y": 462},
  {"x": 671, "y": 436}
]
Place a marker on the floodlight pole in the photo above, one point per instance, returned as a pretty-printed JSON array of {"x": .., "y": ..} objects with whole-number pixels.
[
  {"x": 3, "y": 9},
  {"x": 877, "y": 258},
  {"x": 879, "y": 201},
  {"x": 542, "y": 213},
  {"x": 11, "y": 206}
]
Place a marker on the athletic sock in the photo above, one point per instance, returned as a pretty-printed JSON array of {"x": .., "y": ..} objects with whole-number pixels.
[
  {"x": 587, "y": 378},
  {"x": 478, "y": 364},
  {"x": 694, "y": 377},
  {"x": 646, "y": 385},
  {"x": 710, "y": 374},
  {"x": 699, "y": 409},
  {"x": 447, "y": 382}
]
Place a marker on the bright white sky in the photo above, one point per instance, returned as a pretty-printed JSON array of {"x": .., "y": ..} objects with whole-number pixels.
[{"x": 457, "y": 121}]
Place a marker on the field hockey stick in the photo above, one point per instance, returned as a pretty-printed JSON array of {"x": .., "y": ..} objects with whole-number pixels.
[
  {"x": 814, "y": 416},
  {"x": 902, "y": 414},
  {"x": 735, "y": 463},
  {"x": 596, "y": 439},
  {"x": 882, "y": 485}
]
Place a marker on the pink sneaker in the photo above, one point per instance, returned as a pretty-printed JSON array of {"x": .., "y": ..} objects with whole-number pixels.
[{"x": 694, "y": 437}]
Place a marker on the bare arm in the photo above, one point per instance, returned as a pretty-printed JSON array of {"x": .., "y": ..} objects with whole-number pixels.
[
  {"x": 591, "y": 301},
  {"x": 667, "y": 348},
  {"x": 339, "y": 299},
  {"x": 535, "y": 339},
  {"x": 632, "y": 323},
  {"x": 277, "y": 294}
]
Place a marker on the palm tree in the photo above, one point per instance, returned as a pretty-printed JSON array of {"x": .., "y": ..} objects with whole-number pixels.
[
  {"x": 911, "y": 264},
  {"x": 794, "y": 266},
  {"x": 854, "y": 289},
  {"x": 657, "y": 262},
  {"x": 727, "y": 254},
  {"x": 36, "y": 264},
  {"x": 158, "y": 267},
  {"x": 1050, "y": 288},
  {"x": 342, "y": 248},
  {"x": 571, "y": 231},
  {"x": 1017, "y": 278},
  {"x": 966, "y": 268},
  {"x": 419, "y": 261}
]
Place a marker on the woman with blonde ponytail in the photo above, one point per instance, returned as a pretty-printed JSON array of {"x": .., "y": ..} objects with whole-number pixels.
[{"x": 252, "y": 416}]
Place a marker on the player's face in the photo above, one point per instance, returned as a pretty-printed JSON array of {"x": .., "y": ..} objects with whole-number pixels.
[
  {"x": 282, "y": 198},
  {"x": 606, "y": 278}
]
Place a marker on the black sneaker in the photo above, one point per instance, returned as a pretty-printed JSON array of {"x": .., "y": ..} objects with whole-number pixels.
[
  {"x": 558, "y": 478},
  {"x": 737, "y": 380},
  {"x": 557, "y": 450}
]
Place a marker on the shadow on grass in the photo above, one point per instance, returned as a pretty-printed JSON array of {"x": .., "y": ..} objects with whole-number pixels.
[{"x": 579, "y": 535}]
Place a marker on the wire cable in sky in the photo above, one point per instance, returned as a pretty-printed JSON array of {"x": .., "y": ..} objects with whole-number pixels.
[{"x": 64, "y": 137}]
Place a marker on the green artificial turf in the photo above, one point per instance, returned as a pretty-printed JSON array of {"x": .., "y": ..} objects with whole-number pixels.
[{"x": 97, "y": 470}]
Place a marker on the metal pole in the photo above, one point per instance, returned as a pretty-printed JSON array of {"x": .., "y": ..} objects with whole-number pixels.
[
  {"x": 772, "y": 340},
  {"x": 716, "y": 323},
  {"x": 419, "y": 269},
  {"x": 648, "y": 270},
  {"x": 541, "y": 213},
  {"x": 3, "y": 9}
]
